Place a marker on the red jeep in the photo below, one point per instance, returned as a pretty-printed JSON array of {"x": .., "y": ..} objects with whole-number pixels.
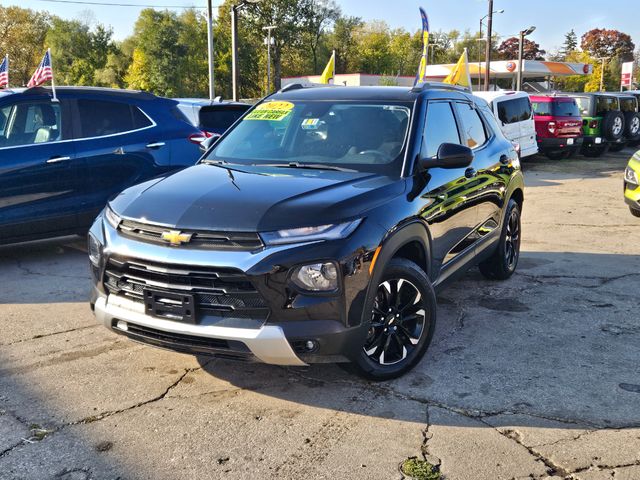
[{"x": 558, "y": 125}]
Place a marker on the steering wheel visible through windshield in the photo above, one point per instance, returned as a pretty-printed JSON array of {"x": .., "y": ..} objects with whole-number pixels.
[{"x": 359, "y": 136}]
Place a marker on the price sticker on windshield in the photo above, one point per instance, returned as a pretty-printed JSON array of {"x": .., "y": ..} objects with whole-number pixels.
[{"x": 271, "y": 111}]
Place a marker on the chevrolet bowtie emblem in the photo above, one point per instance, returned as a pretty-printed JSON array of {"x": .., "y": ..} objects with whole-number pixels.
[{"x": 176, "y": 237}]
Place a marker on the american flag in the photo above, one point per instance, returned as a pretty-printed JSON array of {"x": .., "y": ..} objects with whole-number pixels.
[
  {"x": 4, "y": 72},
  {"x": 43, "y": 73}
]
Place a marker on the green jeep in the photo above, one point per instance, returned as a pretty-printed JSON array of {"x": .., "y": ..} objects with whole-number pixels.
[
  {"x": 635, "y": 93},
  {"x": 602, "y": 122},
  {"x": 629, "y": 108}
]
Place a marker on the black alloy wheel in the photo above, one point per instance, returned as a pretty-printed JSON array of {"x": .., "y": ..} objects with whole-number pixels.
[
  {"x": 504, "y": 261},
  {"x": 400, "y": 322}
]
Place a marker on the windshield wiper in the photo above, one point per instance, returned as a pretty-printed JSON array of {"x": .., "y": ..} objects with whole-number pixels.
[
  {"x": 209, "y": 161},
  {"x": 310, "y": 166}
]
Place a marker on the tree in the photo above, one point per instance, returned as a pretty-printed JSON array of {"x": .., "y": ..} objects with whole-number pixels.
[
  {"x": 343, "y": 41},
  {"x": 601, "y": 43},
  {"x": 570, "y": 44},
  {"x": 322, "y": 14},
  {"x": 531, "y": 50},
  {"x": 22, "y": 34}
]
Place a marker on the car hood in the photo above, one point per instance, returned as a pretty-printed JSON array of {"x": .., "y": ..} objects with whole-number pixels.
[{"x": 248, "y": 198}]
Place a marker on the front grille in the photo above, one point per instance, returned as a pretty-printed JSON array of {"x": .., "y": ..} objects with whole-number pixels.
[
  {"x": 222, "y": 292},
  {"x": 243, "y": 241},
  {"x": 185, "y": 343}
]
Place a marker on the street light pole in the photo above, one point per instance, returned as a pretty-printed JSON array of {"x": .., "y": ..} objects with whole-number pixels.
[
  {"x": 604, "y": 59},
  {"x": 487, "y": 54},
  {"x": 210, "y": 48},
  {"x": 269, "y": 29},
  {"x": 234, "y": 52},
  {"x": 523, "y": 34}
]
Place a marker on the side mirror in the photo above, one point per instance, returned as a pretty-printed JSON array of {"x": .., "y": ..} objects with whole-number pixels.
[
  {"x": 450, "y": 155},
  {"x": 208, "y": 143}
]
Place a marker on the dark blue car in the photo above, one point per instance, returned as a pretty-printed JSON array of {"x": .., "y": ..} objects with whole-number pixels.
[{"x": 60, "y": 161}]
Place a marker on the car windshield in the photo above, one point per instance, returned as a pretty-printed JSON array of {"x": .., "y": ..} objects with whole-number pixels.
[
  {"x": 366, "y": 137},
  {"x": 584, "y": 104}
]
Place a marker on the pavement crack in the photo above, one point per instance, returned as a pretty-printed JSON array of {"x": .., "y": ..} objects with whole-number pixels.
[
  {"x": 27, "y": 271},
  {"x": 45, "y": 335}
]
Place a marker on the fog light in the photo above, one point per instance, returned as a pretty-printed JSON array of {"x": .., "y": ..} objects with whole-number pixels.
[
  {"x": 122, "y": 325},
  {"x": 95, "y": 250},
  {"x": 317, "y": 277},
  {"x": 630, "y": 176},
  {"x": 310, "y": 345}
]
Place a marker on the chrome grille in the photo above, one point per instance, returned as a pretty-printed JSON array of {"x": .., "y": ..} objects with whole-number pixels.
[
  {"x": 224, "y": 292},
  {"x": 145, "y": 232}
]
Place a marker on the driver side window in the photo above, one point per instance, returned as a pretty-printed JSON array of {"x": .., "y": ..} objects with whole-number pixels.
[
  {"x": 440, "y": 127},
  {"x": 30, "y": 122}
]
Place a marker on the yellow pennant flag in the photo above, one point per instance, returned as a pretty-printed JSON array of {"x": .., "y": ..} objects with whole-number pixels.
[
  {"x": 460, "y": 73},
  {"x": 330, "y": 70}
]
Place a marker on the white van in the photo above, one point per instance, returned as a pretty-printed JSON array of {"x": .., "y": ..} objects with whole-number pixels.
[{"x": 514, "y": 114}]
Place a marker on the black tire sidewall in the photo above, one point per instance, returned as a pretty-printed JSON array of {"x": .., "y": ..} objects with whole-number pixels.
[
  {"x": 628, "y": 119},
  {"x": 399, "y": 268},
  {"x": 495, "y": 267},
  {"x": 608, "y": 122}
]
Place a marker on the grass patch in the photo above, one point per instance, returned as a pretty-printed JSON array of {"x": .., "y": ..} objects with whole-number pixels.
[{"x": 420, "y": 470}]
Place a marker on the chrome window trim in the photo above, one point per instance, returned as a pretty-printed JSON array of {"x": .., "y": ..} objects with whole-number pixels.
[{"x": 82, "y": 139}]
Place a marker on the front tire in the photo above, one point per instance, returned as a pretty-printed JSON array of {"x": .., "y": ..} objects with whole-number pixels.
[
  {"x": 401, "y": 319},
  {"x": 504, "y": 261},
  {"x": 634, "y": 212}
]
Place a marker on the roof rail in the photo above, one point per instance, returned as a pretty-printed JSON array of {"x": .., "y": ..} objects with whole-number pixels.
[
  {"x": 422, "y": 86},
  {"x": 299, "y": 85}
]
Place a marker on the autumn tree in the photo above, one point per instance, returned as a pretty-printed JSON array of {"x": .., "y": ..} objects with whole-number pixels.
[
  {"x": 22, "y": 33},
  {"x": 531, "y": 50},
  {"x": 602, "y": 43}
]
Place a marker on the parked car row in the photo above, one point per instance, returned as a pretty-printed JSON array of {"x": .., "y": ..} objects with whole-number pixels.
[
  {"x": 559, "y": 125},
  {"x": 60, "y": 161}
]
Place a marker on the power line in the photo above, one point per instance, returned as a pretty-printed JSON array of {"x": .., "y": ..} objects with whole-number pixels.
[{"x": 146, "y": 5}]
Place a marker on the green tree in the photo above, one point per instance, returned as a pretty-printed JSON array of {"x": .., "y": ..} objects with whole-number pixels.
[
  {"x": 322, "y": 14},
  {"x": 343, "y": 41},
  {"x": 22, "y": 33},
  {"x": 570, "y": 44}
]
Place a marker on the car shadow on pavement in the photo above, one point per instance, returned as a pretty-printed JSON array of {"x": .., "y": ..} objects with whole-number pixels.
[{"x": 558, "y": 341}]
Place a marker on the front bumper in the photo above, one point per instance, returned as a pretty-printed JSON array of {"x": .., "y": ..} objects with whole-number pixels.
[
  {"x": 267, "y": 343},
  {"x": 331, "y": 322}
]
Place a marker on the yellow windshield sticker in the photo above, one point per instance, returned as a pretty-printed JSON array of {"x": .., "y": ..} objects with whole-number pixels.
[{"x": 271, "y": 111}]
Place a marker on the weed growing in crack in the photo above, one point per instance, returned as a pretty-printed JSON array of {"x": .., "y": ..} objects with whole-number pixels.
[{"x": 417, "y": 469}]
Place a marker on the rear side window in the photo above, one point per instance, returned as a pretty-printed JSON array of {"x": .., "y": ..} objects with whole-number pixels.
[
  {"x": 216, "y": 118},
  {"x": 440, "y": 127},
  {"x": 541, "y": 108},
  {"x": 514, "y": 110},
  {"x": 99, "y": 118},
  {"x": 475, "y": 134},
  {"x": 626, "y": 105},
  {"x": 30, "y": 123},
  {"x": 584, "y": 105},
  {"x": 606, "y": 104}
]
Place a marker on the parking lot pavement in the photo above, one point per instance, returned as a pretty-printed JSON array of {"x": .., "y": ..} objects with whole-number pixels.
[{"x": 535, "y": 377}]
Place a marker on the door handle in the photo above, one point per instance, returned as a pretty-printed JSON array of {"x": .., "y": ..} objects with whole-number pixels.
[
  {"x": 504, "y": 160},
  {"x": 470, "y": 172},
  {"x": 58, "y": 159},
  {"x": 155, "y": 145}
]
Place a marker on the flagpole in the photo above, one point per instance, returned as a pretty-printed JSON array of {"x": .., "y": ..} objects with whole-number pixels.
[
  {"x": 466, "y": 62},
  {"x": 53, "y": 83},
  {"x": 6, "y": 57}
]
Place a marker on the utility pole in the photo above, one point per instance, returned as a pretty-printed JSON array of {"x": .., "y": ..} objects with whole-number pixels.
[
  {"x": 210, "y": 48},
  {"x": 604, "y": 59},
  {"x": 269, "y": 29},
  {"x": 234, "y": 53},
  {"x": 487, "y": 55}
]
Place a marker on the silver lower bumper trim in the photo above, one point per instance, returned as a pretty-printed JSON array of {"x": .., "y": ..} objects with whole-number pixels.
[{"x": 268, "y": 343}]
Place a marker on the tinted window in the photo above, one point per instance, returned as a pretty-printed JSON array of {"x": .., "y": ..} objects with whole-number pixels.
[
  {"x": 565, "y": 108},
  {"x": 440, "y": 127},
  {"x": 216, "y": 118},
  {"x": 473, "y": 127},
  {"x": 606, "y": 104},
  {"x": 30, "y": 122},
  {"x": 514, "y": 110},
  {"x": 541, "y": 108},
  {"x": 99, "y": 118},
  {"x": 626, "y": 105}
]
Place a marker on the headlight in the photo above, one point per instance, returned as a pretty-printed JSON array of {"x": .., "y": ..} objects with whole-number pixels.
[
  {"x": 317, "y": 277},
  {"x": 95, "y": 250},
  {"x": 308, "y": 234},
  {"x": 630, "y": 176},
  {"x": 111, "y": 217}
]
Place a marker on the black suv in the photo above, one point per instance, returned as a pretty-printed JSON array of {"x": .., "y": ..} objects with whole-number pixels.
[{"x": 317, "y": 229}]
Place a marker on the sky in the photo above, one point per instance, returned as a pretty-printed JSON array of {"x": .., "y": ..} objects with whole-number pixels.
[{"x": 552, "y": 18}]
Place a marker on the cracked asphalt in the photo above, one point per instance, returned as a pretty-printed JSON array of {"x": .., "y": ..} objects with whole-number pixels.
[{"x": 537, "y": 377}]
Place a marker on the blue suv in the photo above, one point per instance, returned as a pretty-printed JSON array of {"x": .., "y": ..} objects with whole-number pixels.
[{"x": 60, "y": 161}]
